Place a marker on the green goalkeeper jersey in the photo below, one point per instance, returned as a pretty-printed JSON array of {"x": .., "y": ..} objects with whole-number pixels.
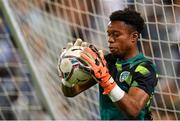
[{"x": 135, "y": 72}]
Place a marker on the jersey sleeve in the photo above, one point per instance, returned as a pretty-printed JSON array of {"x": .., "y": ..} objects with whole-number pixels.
[{"x": 145, "y": 77}]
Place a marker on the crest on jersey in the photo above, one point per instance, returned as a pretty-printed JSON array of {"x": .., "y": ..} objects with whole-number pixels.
[{"x": 124, "y": 75}]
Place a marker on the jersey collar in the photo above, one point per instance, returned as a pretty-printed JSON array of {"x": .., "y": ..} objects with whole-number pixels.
[{"x": 131, "y": 60}]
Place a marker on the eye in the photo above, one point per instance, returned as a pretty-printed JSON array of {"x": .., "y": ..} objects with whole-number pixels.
[{"x": 116, "y": 34}]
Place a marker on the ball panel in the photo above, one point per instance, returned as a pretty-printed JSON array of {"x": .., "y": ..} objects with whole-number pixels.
[{"x": 73, "y": 68}]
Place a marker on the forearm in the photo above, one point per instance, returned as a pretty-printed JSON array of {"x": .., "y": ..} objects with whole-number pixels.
[
  {"x": 132, "y": 102},
  {"x": 129, "y": 106},
  {"x": 77, "y": 89},
  {"x": 124, "y": 102},
  {"x": 69, "y": 91}
]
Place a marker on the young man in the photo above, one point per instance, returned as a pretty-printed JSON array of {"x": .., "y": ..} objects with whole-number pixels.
[{"x": 126, "y": 78}]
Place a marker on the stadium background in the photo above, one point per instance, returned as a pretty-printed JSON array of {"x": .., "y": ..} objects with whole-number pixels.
[{"x": 33, "y": 33}]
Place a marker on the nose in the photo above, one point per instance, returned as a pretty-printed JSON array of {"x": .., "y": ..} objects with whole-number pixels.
[{"x": 110, "y": 39}]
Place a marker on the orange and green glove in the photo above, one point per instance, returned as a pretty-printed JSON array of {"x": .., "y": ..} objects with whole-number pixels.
[
  {"x": 101, "y": 74},
  {"x": 99, "y": 68}
]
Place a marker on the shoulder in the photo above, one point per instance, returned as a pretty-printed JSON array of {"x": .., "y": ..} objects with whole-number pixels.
[
  {"x": 145, "y": 76},
  {"x": 146, "y": 66}
]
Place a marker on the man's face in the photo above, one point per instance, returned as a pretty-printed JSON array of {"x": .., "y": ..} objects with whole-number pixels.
[{"x": 119, "y": 38}]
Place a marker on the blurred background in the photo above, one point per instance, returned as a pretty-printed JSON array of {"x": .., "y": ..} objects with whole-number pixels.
[{"x": 33, "y": 33}]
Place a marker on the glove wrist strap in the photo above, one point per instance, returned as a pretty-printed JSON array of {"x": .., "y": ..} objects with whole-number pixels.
[{"x": 116, "y": 94}]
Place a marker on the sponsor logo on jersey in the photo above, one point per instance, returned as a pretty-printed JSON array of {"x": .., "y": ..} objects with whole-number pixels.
[{"x": 124, "y": 75}]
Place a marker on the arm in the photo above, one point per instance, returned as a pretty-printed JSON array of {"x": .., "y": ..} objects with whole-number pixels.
[
  {"x": 141, "y": 89},
  {"x": 76, "y": 89},
  {"x": 133, "y": 101}
]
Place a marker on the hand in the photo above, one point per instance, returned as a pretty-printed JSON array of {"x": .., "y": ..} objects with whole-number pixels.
[
  {"x": 100, "y": 70},
  {"x": 79, "y": 46}
]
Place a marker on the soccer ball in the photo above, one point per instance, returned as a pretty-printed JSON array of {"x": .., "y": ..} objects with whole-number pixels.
[{"x": 72, "y": 68}]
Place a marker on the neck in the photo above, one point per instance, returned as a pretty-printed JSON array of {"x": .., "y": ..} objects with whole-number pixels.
[
  {"x": 129, "y": 55},
  {"x": 135, "y": 53}
]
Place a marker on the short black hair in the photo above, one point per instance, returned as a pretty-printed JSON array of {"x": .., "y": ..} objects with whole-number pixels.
[{"x": 130, "y": 17}]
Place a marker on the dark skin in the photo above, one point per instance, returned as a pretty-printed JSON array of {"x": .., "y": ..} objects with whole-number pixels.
[
  {"x": 122, "y": 43},
  {"x": 75, "y": 90}
]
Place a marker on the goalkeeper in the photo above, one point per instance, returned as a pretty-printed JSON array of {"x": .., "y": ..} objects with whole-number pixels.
[{"x": 127, "y": 79}]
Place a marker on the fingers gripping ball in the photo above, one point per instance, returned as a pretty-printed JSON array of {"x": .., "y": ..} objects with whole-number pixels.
[
  {"x": 99, "y": 69},
  {"x": 72, "y": 67}
]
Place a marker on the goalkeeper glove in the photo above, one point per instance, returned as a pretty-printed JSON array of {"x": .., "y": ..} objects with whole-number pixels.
[
  {"x": 99, "y": 68},
  {"x": 64, "y": 65},
  {"x": 101, "y": 73},
  {"x": 78, "y": 43}
]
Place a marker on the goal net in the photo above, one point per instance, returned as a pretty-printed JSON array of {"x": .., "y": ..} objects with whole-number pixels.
[
  {"x": 18, "y": 100},
  {"x": 43, "y": 27}
]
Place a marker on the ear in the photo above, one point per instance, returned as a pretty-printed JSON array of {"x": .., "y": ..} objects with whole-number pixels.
[{"x": 135, "y": 36}]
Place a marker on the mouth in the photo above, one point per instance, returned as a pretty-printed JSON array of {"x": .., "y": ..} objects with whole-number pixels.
[{"x": 112, "y": 49}]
